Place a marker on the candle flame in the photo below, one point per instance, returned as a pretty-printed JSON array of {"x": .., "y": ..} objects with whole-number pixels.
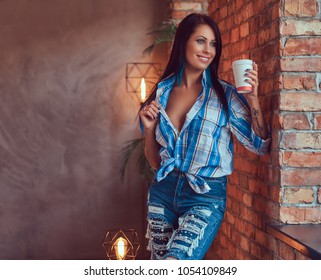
[
  {"x": 120, "y": 248},
  {"x": 142, "y": 90}
]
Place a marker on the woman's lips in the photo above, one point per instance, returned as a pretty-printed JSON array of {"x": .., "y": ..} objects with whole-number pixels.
[{"x": 204, "y": 58}]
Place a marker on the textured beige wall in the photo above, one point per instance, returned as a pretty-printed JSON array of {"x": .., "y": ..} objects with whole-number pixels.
[{"x": 64, "y": 115}]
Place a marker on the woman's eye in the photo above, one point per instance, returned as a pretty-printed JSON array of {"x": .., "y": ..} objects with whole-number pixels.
[
  {"x": 213, "y": 44},
  {"x": 200, "y": 41}
]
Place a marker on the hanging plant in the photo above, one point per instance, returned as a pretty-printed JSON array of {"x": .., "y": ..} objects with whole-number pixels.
[{"x": 165, "y": 33}]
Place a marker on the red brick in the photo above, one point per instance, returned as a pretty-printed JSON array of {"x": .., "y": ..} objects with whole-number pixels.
[
  {"x": 312, "y": 215},
  {"x": 235, "y": 35},
  {"x": 317, "y": 121},
  {"x": 301, "y": 8},
  {"x": 274, "y": 175},
  {"x": 244, "y": 30},
  {"x": 226, "y": 229},
  {"x": 234, "y": 179},
  {"x": 235, "y": 207},
  {"x": 294, "y": 121},
  {"x": 241, "y": 255},
  {"x": 300, "y": 177},
  {"x": 255, "y": 250},
  {"x": 247, "y": 199},
  {"x": 292, "y": 215},
  {"x": 286, "y": 251},
  {"x": 223, "y": 12},
  {"x": 245, "y": 227},
  {"x": 272, "y": 210},
  {"x": 259, "y": 204},
  {"x": 264, "y": 36},
  {"x": 300, "y": 159},
  {"x": 300, "y": 215},
  {"x": 300, "y": 27},
  {"x": 275, "y": 193},
  {"x": 243, "y": 181},
  {"x": 268, "y": 51},
  {"x": 273, "y": 243},
  {"x": 300, "y": 256},
  {"x": 253, "y": 40},
  {"x": 270, "y": 67},
  {"x": 187, "y": 6},
  {"x": 302, "y": 46},
  {"x": 258, "y": 7},
  {"x": 299, "y": 82},
  {"x": 276, "y": 11},
  {"x": 246, "y": 166},
  {"x": 305, "y": 64},
  {"x": 248, "y": 11},
  {"x": 308, "y": 101},
  {"x": 298, "y": 195},
  {"x": 245, "y": 243},
  {"x": 301, "y": 140},
  {"x": 254, "y": 185},
  {"x": 261, "y": 238},
  {"x": 230, "y": 218}
]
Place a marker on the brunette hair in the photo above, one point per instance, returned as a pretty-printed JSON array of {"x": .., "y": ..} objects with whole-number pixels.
[{"x": 177, "y": 57}]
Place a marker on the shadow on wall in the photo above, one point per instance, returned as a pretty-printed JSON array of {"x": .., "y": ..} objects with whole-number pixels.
[{"x": 63, "y": 120}]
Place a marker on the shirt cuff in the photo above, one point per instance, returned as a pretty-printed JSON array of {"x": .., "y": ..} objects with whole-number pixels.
[{"x": 261, "y": 145}]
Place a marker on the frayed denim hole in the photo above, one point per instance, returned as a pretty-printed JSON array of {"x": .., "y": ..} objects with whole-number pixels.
[
  {"x": 159, "y": 231},
  {"x": 191, "y": 230}
]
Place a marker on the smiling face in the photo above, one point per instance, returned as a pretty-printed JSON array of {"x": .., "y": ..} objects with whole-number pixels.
[{"x": 200, "y": 48}]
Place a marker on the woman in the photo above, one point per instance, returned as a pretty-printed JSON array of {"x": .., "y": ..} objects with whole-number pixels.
[{"x": 187, "y": 122}]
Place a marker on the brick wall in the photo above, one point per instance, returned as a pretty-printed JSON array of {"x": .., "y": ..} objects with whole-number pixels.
[
  {"x": 300, "y": 111},
  {"x": 283, "y": 37}
]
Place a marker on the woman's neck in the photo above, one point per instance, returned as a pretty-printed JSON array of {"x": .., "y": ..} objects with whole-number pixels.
[{"x": 191, "y": 78}]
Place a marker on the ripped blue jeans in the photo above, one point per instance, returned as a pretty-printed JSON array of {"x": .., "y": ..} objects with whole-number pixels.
[{"x": 182, "y": 223}]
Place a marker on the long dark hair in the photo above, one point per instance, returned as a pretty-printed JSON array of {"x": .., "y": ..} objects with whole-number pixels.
[{"x": 184, "y": 30}]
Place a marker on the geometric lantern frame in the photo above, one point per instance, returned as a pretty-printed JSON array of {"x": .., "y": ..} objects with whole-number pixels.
[
  {"x": 135, "y": 71},
  {"x": 121, "y": 244}
]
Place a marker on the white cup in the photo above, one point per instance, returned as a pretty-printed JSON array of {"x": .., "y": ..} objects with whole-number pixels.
[{"x": 239, "y": 67}]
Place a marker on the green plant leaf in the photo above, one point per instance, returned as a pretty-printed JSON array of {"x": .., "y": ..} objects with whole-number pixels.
[
  {"x": 165, "y": 32},
  {"x": 143, "y": 166}
]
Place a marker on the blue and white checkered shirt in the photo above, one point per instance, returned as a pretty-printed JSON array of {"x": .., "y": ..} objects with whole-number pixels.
[{"x": 204, "y": 147}]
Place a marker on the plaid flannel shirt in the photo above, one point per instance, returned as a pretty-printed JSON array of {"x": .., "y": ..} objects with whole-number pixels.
[{"x": 204, "y": 146}]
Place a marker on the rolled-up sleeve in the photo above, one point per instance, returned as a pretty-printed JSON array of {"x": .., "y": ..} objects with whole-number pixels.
[{"x": 241, "y": 125}]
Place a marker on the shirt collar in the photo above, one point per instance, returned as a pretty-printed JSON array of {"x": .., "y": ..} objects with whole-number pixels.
[{"x": 170, "y": 80}]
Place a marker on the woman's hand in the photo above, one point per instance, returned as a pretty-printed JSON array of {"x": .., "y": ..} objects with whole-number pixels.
[
  {"x": 252, "y": 77},
  {"x": 258, "y": 122},
  {"x": 149, "y": 115}
]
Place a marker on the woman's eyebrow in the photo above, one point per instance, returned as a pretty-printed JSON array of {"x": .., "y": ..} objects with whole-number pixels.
[{"x": 201, "y": 36}]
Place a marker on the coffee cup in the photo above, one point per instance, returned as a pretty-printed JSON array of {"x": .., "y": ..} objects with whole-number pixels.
[{"x": 239, "y": 69}]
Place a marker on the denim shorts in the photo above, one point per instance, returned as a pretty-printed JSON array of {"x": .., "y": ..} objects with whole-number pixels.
[{"x": 182, "y": 224}]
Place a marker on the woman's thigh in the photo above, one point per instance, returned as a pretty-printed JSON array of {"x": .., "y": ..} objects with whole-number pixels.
[
  {"x": 160, "y": 216},
  {"x": 200, "y": 221}
]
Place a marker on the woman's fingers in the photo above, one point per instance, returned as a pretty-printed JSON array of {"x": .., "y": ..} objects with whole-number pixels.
[{"x": 151, "y": 110}]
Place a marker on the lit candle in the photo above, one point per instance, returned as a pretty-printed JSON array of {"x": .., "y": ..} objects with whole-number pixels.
[{"x": 142, "y": 90}]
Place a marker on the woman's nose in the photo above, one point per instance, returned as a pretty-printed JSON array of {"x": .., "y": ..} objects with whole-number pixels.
[{"x": 206, "y": 48}]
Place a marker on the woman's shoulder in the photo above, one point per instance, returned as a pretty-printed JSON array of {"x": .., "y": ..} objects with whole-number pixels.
[
  {"x": 228, "y": 88},
  {"x": 227, "y": 85}
]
